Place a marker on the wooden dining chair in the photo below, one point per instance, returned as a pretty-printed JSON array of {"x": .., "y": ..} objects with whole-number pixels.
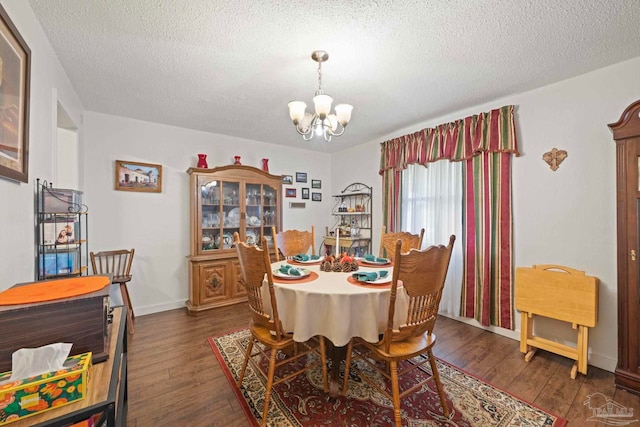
[
  {"x": 266, "y": 328},
  {"x": 409, "y": 241},
  {"x": 118, "y": 264},
  {"x": 293, "y": 242},
  {"x": 422, "y": 274}
]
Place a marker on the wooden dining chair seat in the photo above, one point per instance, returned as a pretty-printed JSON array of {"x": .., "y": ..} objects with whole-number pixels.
[
  {"x": 266, "y": 328},
  {"x": 409, "y": 241},
  {"x": 118, "y": 264},
  {"x": 422, "y": 274},
  {"x": 290, "y": 243}
]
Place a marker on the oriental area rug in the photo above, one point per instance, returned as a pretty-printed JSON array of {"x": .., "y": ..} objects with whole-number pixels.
[{"x": 301, "y": 401}]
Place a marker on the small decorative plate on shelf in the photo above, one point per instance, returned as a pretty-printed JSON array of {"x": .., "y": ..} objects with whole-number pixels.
[
  {"x": 282, "y": 275},
  {"x": 252, "y": 237}
]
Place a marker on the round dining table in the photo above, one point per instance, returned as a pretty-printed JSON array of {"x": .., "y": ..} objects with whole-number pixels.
[{"x": 335, "y": 305}]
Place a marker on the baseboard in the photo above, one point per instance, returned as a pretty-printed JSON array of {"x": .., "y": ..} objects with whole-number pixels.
[
  {"x": 599, "y": 361},
  {"x": 150, "y": 309}
]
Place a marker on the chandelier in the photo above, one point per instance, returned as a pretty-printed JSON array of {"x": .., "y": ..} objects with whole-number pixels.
[{"x": 322, "y": 123}]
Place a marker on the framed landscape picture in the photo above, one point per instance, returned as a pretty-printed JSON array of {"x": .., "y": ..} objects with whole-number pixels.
[
  {"x": 301, "y": 177},
  {"x": 15, "y": 74},
  {"x": 290, "y": 192},
  {"x": 287, "y": 180},
  {"x": 316, "y": 183},
  {"x": 136, "y": 176},
  {"x": 316, "y": 197}
]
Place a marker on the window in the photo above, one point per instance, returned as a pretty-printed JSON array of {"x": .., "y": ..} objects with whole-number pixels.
[{"x": 432, "y": 199}]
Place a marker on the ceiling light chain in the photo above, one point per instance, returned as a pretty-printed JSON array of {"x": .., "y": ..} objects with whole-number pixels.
[{"x": 321, "y": 123}]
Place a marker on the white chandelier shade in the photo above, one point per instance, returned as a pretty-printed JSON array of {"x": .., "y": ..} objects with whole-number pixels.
[{"x": 322, "y": 123}]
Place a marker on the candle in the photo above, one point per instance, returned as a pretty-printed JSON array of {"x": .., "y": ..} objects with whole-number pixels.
[{"x": 337, "y": 243}]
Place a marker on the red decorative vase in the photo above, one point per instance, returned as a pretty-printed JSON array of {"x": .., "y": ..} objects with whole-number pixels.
[
  {"x": 202, "y": 161},
  {"x": 237, "y": 162},
  {"x": 265, "y": 165}
]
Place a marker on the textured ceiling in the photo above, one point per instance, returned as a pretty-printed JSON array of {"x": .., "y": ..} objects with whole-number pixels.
[{"x": 231, "y": 67}]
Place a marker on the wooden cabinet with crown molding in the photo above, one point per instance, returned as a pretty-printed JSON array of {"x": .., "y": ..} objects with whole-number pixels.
[
  {"x": 626, "y": 133},
  {"x": 225, "y": 200}
]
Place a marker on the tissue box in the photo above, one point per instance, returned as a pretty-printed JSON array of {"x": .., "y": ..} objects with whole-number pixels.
[{"x": 30, "y": 396}]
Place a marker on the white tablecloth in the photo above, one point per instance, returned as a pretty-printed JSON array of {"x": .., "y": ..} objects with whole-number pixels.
[{"x": 334, "y": 308}]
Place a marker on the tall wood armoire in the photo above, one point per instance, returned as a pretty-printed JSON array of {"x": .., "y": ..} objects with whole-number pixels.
[{"x": 626, "y": 133}]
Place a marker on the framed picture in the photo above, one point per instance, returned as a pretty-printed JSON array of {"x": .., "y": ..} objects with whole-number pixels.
[
  {"x": 316, "y": 183},
  {"x": 297, "y": 205},
  {"x": 15, "y": 72},
  {"x": 305, "y": 193},
  {"x": 316, "y": 197},
  {"x": 301, "y": 177},
  {"x": 290, "y": 192},
  {"x": 135, "y": 176},
  {"x": 287, "y": 180}
]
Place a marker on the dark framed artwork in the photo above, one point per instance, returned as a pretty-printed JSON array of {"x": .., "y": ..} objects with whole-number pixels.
[
  {"x": 301, "y": 177},
  {"x": 316, "y": 183},
  {"x": 290, "y": 192},
  {"x": 305, "y": 193},
  {"x": 287, "y": 179},
  {"x": 316, "y": 197},
  {"x": 136, "y": 176},
  {"x": 15, "y": 72}
]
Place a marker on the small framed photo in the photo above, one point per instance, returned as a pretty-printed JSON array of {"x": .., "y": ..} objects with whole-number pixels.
[
  {"x": 301, "y": 177},
  {"x": 135, "y": 176},
  {"x": 316, "y": 183},
  {"x": 316, "y": 197},
  {"x": 290, "y": 192},
  {"x": 287, "y": 180},
  {"x": 305, "y": 193}
]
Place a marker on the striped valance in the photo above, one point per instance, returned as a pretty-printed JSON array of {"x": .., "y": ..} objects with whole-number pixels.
[{"x": 462, "y": 139}]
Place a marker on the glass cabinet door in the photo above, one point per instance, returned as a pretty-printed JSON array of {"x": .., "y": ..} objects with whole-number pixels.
[
  {"x": 261, "y": 212},
  {"x": 270, "y": 210},
  {"x": 220, "y": 214}
]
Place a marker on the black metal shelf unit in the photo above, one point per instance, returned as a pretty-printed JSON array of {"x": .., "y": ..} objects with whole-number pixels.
[
  {"x": 61, "y": 233},
  {"x": 353, "y": 219}
]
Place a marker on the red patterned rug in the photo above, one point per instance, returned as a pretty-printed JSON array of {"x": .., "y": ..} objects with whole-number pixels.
[{"x": 301, "y": 401}]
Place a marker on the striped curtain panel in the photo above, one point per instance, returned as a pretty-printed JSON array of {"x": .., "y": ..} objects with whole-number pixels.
[
  {"x": 486, "y": 143},
  {"x": 487, "y": 224}
]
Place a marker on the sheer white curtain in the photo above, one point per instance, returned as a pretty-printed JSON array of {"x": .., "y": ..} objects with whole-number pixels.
[{"x": 432, "y": 199}]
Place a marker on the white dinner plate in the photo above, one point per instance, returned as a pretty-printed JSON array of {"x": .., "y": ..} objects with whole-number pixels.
[
  {"x": 364, "y": 261},
  {"x": 311, "y": 261},
  {"x": 282, "y": 275},
  {"x": 379, "y": 280}
]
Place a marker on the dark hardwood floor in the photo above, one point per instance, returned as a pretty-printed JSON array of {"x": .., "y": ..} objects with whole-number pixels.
[{"x": 175, "y": 380}]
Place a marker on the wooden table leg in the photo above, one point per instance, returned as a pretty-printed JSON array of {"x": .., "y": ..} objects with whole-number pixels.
[{"x": 337, "y": 355}]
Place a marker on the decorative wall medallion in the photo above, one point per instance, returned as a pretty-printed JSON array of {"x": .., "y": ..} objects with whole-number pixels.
[{"x": 554, "y": 158}]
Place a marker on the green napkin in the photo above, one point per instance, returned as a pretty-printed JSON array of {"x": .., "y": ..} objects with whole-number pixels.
[
  {"x": 373, "y": 258},
  {"x": 301, "y": 257},
  {"x": 305, "y": 257},
  {"x": 370, "y": 276},
  {"x": 289, "y": 270}
]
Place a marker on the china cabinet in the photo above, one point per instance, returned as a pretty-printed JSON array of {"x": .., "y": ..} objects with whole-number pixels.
[
  {"x": 225, "y": 200},
  {"x": 626, "y": 133},
  {"x": 352, "y": 221},
  {"x": 61, "y": 232}
]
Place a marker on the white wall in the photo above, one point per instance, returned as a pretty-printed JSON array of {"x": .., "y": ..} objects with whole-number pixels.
[
  {"x": 157, "y": 225},
  {"x": 49, "y": 84},
  {"x": 565, "y": 217}
]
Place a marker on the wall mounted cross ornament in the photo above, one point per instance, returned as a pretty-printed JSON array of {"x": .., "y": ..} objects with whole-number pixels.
[{"x": 554, "y": 158}]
